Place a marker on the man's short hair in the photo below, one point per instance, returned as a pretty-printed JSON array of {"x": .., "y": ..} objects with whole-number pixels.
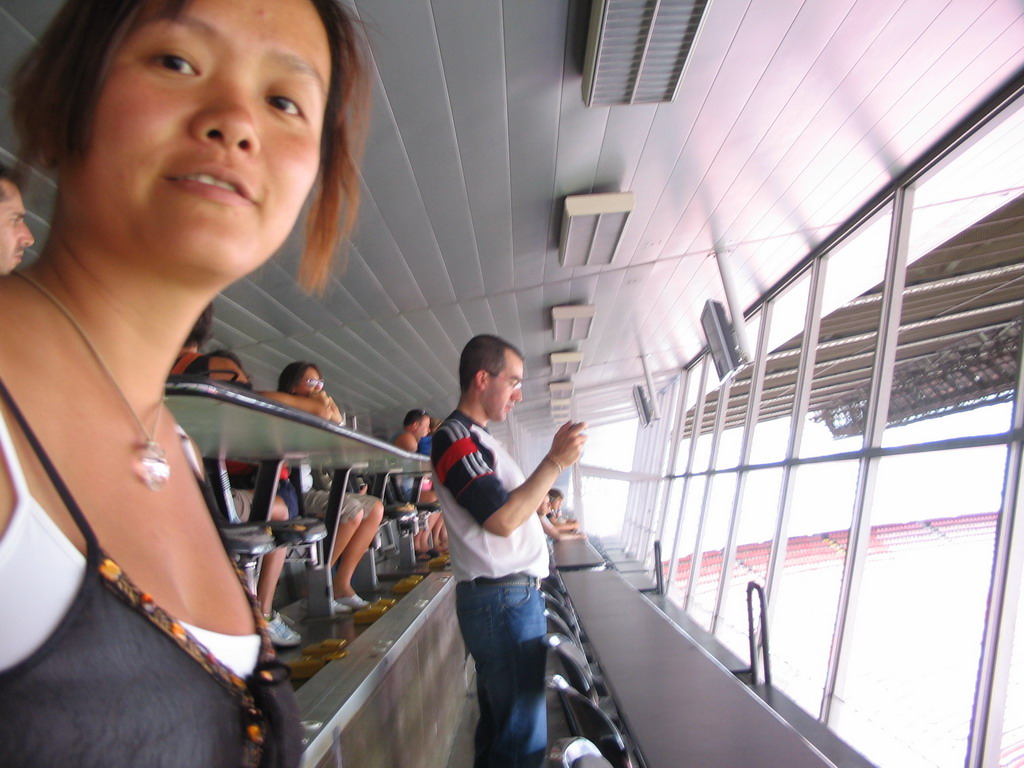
[
  {"x": 413, "y": 416},
  {"x": 483, "y": 353}
]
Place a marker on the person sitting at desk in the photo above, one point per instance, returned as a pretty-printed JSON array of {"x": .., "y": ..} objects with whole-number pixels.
[
  {"x": 551, "y": 529},
  {"x": 415, "y": 429},
  {"x": 559, "y": 523},
  {"x": 361, "y": 515},
  {"x": 224, "y": 365}
]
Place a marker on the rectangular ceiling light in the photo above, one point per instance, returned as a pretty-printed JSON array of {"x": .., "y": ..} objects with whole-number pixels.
[
  {"x": 637, "y": 49},
  {"x": 560, "y": 388},
  {"x": 592, "y": 226},
  {"x": 561, "y": 408},
  {"x": 565, "y": 363},
  {"x": 571, "y": 322}
]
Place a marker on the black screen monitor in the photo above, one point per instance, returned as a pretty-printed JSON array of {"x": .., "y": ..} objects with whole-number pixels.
[{"x": 721, "y": 340}]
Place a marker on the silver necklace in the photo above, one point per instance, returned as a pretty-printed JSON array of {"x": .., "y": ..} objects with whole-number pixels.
[{"x": 152, "y": 466}]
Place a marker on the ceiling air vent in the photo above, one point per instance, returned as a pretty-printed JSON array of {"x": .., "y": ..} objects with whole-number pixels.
[{"x": 637, "y": 49}]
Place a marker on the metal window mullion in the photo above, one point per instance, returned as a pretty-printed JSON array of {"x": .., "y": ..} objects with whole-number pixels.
[
  {"x": 675, "y": 435},
  {"x": 659, "y": 442},
  {"x": 698, "y": 415},
  {"x": 716, "y": 437},
  {"x": 752, "y": 416},
  {"x": 798, "y": 416},
  {"x": 877, "y": 416},
  {"x": 984, "y": 742}
]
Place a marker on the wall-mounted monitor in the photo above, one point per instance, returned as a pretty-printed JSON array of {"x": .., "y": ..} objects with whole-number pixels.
[
  {"x": 644, "y": 408},
  {"x": 721, "y": 339}
]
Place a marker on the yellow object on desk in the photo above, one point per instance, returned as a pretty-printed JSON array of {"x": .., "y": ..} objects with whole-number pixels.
[
  {"x": 370, "y": 614},
  {"x": 306, "y": 667},
  {"x": 408, "y": 584}
]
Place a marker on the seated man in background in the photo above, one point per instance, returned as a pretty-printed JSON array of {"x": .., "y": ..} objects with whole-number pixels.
[
  {"x": 554, "y": 513},
  {"x": 416, "y": 427},
  {"x": 553, "y": 531}
]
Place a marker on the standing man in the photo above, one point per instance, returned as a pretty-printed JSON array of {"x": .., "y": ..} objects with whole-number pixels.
[
  {"x": 14, "y": 234},
  {"x": 499, "y": 552}
]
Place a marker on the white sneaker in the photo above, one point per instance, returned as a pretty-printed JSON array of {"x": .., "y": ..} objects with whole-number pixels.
[
  {"x": 340, "y": 609},
  {"x": 281, "y": 635},
  {"x": 355, "y": 602}
]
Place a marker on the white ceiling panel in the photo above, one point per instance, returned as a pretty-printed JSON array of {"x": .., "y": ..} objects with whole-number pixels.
[{"x": 790, "y": 116}]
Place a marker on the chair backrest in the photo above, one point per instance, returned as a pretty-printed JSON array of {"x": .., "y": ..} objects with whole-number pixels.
[
  {"x": 556, "y": 624},
  {"x": 551, "y": 585},
  {"x": 567, "y": 614},
  {"x": 576, "y": 752},
  {"x": 574, "y": 662},
  {"x": 588, "y": 720}
]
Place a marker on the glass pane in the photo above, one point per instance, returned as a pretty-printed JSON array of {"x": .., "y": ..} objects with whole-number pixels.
[
  {"x": 706, "y": 431},
  {"x": 915, "y": 646},
  {"x": 687, "y": 539},
  {"x": 611, "y": 445},
  {"x": 771, "y": 433},
  {"x": 736, "y": 417},
  {"x": 730, "y": 442},
  {"x": 758, "y": 515},
  {"x": 672, "y": 512},
  {"x": 807, "y": 596},
  {"x": 716, "y": 530},
  {"x": 604, "y": 504},
  {"x": 692, "y": 392},
  {"x": 960, "y": 330},
  {"x": 851, "y": 307}
]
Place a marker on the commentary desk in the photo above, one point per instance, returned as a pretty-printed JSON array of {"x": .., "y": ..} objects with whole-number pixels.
[
  {"x": 680, "y": 706},
  {"x": 228, "y": 422},
  {"x": 576, "y": 554}
]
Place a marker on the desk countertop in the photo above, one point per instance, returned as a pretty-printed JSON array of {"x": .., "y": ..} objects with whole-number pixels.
[
  {"x": 682, "y": 708},
  {"x": 227, "y": 422}
]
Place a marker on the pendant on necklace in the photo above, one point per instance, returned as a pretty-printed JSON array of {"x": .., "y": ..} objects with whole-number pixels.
[{"x": 153, "y": 467}]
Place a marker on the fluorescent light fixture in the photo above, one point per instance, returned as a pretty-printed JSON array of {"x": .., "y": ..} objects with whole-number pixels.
[
  {"x": 560, "y": 388},
  {"x": 637, "y": 51},
  {"x": 565, "y": 363},
  {"x": 571, "y": 322},
  {"x": 592, "y": 226},
  {"x": 561, "y": 408}
]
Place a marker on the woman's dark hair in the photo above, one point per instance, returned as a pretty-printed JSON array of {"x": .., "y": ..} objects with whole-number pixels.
[
  {"x": 292, "y": 376},
  {"x": 483, "y": 353},
  {"x": 57, "y": 86},
  {"x": 202, "y": 330}
]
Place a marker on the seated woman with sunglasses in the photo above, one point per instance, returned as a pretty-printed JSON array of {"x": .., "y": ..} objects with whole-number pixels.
[{"x": 361, "y": 515}]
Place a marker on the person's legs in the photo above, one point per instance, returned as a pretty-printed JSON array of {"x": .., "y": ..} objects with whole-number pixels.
[
  {"x": 270, "y": 569},
  {"x": 503, "y": 629},
  {"x": 357, "y": 545}
]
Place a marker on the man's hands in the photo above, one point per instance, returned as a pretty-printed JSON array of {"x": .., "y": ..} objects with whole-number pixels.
[{"x": 567, "y": 444}]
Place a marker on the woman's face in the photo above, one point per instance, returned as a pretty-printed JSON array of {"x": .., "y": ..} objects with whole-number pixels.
[
  {"x": 206, "y": 137},
  {"x": 310, "y": 383}
]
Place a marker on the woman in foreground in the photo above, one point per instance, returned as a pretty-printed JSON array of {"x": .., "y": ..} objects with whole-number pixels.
[{"x": 186, "y": 137}]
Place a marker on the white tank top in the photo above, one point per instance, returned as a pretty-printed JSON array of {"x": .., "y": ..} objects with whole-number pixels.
[{"x": 40, "y": 574}]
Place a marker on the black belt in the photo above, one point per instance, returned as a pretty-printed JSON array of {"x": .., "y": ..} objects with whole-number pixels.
[{"x": 512, "y": 580}]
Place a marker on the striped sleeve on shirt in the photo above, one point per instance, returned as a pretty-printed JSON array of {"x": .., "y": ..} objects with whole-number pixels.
[{"x": 466, "y": 469}]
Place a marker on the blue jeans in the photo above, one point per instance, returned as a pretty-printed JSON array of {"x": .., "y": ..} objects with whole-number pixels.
[{"x": 503, "y": 628}]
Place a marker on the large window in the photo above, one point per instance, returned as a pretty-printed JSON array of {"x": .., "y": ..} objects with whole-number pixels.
[{"x": 870, "y": 491}]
